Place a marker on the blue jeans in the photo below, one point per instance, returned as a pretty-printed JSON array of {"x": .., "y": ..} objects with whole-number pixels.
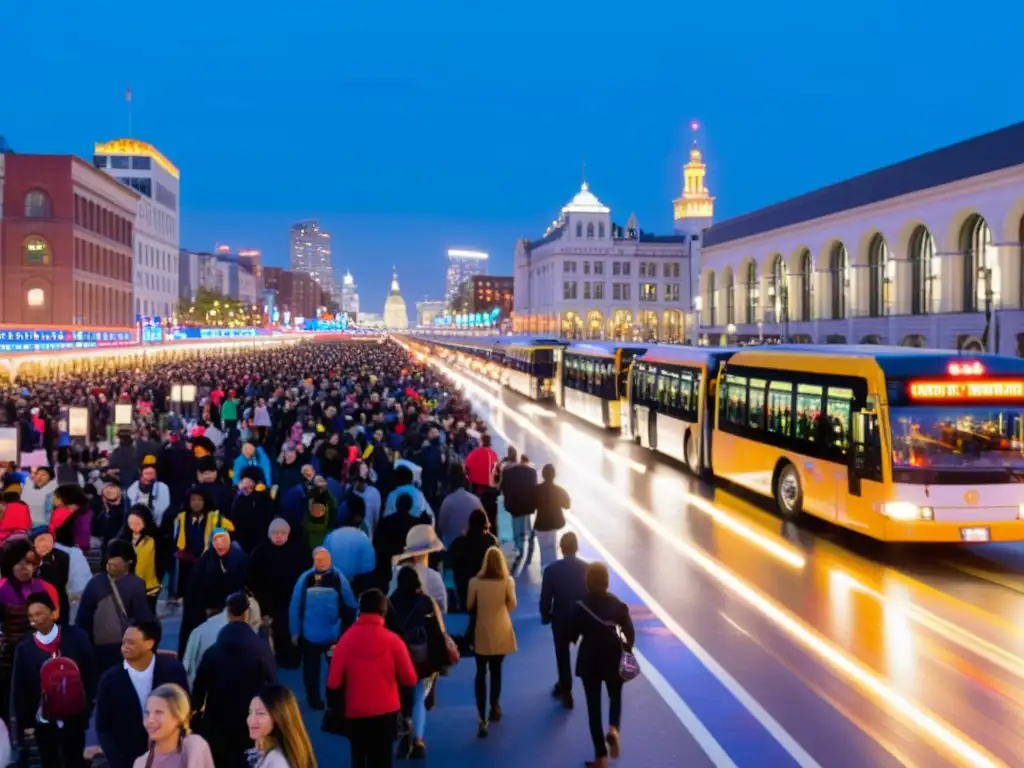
[
  {"x": 419, "y": 707},
  {"x": 522, "y": 529}
]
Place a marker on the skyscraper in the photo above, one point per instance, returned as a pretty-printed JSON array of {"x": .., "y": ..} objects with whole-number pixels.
[
  {"x": 311, "y": 252},
  {"x": 462, "y": 265},
  {"x": 349, "y": 296}
]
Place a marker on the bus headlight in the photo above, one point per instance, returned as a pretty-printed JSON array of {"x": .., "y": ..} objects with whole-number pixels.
[
  {"x": 901, "y": 510},
  {"x": 927, "y": 513},
  {"x": 1020, "y": 512}
]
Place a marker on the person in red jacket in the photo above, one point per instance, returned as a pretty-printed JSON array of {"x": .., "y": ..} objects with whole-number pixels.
[
  {"x": 481, "y": 465},
  {"x": 15, "y": 516},
  {"x": 369, "y": 664}
]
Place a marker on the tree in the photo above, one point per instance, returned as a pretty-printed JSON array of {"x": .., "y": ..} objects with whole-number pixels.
[{"x": 213, "y": 309}]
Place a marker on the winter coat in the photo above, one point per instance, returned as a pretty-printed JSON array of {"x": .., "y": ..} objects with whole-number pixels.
[
  {"x": 562, "y": 586},
  {"x": 99, "y": 614},
  {"x": 252, "y": 516},
  {"x": 159, "y": 500},
  {"x": 519, "y": 487},
  {"x": 273, "y": 572},
  {"x": 493, "y": 600},
  {"x": 599, "y": 646},
  {"x": 453, "y": 515},
  {"x": 15, "y": 518},
  {"x": 351, "y": 551},
  {"x": 480, "y": 465},
  {"x": 370, "y": 663},
  {"x": 322, "y": 605},
  {"x": 260, "y": 460},
  {"x": 466, "y": 556},
  {"x": 552, "y": 501},
  {"x": 28, "y": 662}
]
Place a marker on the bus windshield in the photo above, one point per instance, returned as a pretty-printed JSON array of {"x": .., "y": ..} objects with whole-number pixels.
[{"x": 957, "y": 437}]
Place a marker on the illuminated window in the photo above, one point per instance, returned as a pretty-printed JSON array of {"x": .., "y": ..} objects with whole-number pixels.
[
  {"x": 35, "y": 297},
  {"x": 37, "y": 205},
  {"x": 648, "y": 292},
  {"x": 37, "y": 251}
]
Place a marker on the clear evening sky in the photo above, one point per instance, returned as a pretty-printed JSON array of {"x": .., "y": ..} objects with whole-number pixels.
[{"x": 410, "y": 127}]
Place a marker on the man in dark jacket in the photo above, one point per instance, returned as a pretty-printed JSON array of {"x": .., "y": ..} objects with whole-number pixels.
[
  {"x": 234, "y": 670},
  {"x": 563, "y": 585},
  {"x": 60, "y": 745},
  {"x": 123, "y": 690},
  {"x": 124, "y": 460},
  {"x": 519, "y": 487}
]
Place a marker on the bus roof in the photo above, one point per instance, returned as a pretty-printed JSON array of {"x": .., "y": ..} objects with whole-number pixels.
[
  {"x": 605, "y": 348},
  {"x": 674, "y": 353},
  {"x": 895, "y": 362},
  {"x": 528, "y": 341}
]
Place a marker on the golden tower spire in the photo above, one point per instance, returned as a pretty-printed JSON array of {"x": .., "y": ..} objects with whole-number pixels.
[{"x": 695, "y": 202}]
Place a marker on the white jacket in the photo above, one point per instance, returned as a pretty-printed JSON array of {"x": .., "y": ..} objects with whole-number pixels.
[
  {"x": 159, "y": 502},
  {"x": 38, "y": 500}
]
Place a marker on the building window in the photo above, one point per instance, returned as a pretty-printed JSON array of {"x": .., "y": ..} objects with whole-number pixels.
[
  {"x": 569, "y": 289},
  {"x": 600, "y": 230},
  {"x": 643, "y": 269},
  {"x": 598, "y": 267},
  {"x": 590, "y": 231},
  {"x": 569, "y": 266},
  {"x": 667, "y": 270},
  {"x": 981, "y": 265},
  {"x": 922, "y": 255},
  {"x": 712, "y": 298},
  {"x": 621, "y": 291},
  {"x": 879, "y": 279},
  {"x": 579, "y": 229},
  {"x": 839, "y": 267},
  {"x": 616, "y": 268},
  {"x": 778, "y": 295},
  {"x": 672, "y": 291},
  {"x": 120, "y": 162},
  {"x": 37, "y": 251},
  {"x": 598, "y": 290},
  {"x": 37, "y": 205},
  {"x": 141, "y": 163},
  {"x": 35, "y": 297},
  {"x": 586, "y": 290},
  {"x": 625, "y": 269},
  {"x": 586, "y": 267},
  {"x": 806, "y": 286},
  {"x": 753, "y": 293},
  {"x": 648, "y": 292},
  {"x": 99, "y": 161},
  {"x": 730, "y": 298}
]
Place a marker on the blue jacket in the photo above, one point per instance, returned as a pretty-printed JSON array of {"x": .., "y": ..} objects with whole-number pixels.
[
  {"x": 319, "y": 613},
  {"x": 351, "y": 551},
  {"x": 259, "y": 460}
]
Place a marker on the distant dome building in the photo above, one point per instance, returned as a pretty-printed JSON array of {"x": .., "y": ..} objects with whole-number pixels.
[{"x": 395, "y": 314}]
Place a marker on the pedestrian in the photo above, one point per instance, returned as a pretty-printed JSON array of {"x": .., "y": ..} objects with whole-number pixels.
[
  {"x": 15, "y": 516},
  {"x": 149, "y": 491},
  {"x": 123, "y": 690},
  {"x": 482, "y": 465},
  {"x": 274, "y": 566},
  {"x": 113, "y": 599},
  {"x": 276, "y": 728},
  {"x": 466, "y": 554},
  {"x": 253, "y": 457},
  {"x": 492, "y": 596},
  {"x": 221, "y": 571},
  {"x": 252, "y": 511},
  {"x": 54, "y": 567},
  {"x": 519, "y": 489},
  {"x": 205, "y": 636},
  {"x": 142, "y": 533},
  {"x": 322, "y": 606},
  {"x": 454, "y": 512},
  {"x": 552, "y": 502},
  {"x": 369, "y": 664},
  {"x": 171, "y": 741},
  {"x": 420, "y": 543},
  {"x": 351, "y": 549},
  {"x": 601, "y": 624},
  {"x": 54, "y": 685},
  {"x": 563, "y": 585},
  {"x": 231, "y": 673},
  {"x": 193, "y": 534}
]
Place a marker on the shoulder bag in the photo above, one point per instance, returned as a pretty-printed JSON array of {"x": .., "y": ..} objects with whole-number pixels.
[{"x": 629, "y": 667}]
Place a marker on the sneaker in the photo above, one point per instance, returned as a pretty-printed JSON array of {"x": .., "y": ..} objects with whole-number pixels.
[
  {"x": 495, "y": 716},
  {"x": 481, "y": 730},
  {"x": 613, "y": 743},
  {"x": 419, "y": 751}
]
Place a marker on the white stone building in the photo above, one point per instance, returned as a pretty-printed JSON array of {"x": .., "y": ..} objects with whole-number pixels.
[
  {"x": 926, "y": 252},
  {"x": 589, "y": 278},
  {"x": 396, "y": 314},
  {"x": 142, "y": 167}
]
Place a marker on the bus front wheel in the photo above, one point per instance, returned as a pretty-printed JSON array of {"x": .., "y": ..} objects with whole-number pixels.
[{"x": 789, "y": 495}]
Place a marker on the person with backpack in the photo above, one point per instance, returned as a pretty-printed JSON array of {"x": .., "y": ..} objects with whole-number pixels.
[
  {"x": 322, "y": 607},
  {"x": 54, "y": 685}
]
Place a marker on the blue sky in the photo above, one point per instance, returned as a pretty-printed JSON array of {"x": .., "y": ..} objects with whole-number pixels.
[{"x": 410, "y": 127}]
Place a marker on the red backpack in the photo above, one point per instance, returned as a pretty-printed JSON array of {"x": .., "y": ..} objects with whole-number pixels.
[{"x": 62, "y": 693}]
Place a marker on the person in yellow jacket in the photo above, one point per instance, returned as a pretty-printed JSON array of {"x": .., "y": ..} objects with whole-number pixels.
[
  {"x": 193, "y": 534},
  {"x": 141, "y": 531}
]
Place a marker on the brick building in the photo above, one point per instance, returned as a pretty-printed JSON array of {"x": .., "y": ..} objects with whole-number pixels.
[
  {"x": 297, "y": 292},
  {"x": 482, "y": 293},
  {"x": 66, "y": 247}
]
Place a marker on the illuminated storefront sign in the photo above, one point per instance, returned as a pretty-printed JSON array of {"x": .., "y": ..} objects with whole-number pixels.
[
  {"x": 181, "y": 334},
  {"x": 977, "y": 389},
  {"x": 47, "y": 340}
]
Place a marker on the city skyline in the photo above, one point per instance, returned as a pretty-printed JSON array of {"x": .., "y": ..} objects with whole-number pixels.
[{"x": 772, "y": 128}]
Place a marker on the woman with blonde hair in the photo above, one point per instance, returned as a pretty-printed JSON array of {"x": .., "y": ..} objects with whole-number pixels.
[
  {"x": 492, "y": 598},
  {"x": 171, "y": 742},
  {"x": 275, "y": 725}
]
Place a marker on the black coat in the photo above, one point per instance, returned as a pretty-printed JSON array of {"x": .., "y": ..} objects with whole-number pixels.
[
  {"x": 232, "y": 672},
  {"x": 519, "y": 487},
  {"x": 55, "y": 569},
  {"x": 251, "y": 516},
  {"x": 563, "y": 585},
  {"x": 119, "y": 714},
  {"x": 28, "y": 661},
  {"x": 552, "y": 501},
  {"x": 600, "y": 648},
  {"x": 273, "y": 571},
  {"x": 467, "y": 556}
]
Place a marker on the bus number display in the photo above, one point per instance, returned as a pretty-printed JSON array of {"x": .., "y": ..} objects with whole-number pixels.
[{"x": 977, "y": 389}]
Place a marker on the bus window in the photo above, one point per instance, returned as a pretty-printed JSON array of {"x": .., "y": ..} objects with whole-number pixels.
[
  {"x": 867, "y": 445},
  {"x": 734, "y": 401},
  {"x": 755, "y": 415},
  {"x": 808, "y": 411},
  {"x": 780, "y": 408},
  {"x": 838, "y": 411}
]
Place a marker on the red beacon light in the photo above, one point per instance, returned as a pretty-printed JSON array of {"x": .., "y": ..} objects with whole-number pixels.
[{"x": 970, "y": 368}]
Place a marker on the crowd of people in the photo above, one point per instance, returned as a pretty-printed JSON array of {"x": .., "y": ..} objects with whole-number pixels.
[{"x": 308, "y": 509}]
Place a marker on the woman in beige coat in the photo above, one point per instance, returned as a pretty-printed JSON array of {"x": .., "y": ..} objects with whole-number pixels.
[{"x": 491, "y": 598}]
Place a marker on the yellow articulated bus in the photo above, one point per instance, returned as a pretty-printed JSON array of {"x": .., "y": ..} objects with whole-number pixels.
[
  {"x": 528, "y": 365},
  {"x": 899, "y": 444},
  {"x": 593, "y": 378}
]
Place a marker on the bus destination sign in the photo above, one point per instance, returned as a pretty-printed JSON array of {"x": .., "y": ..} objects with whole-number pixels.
[{"x": 969, "y": 389}]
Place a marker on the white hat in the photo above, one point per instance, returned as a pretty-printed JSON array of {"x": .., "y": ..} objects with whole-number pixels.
[{"x": 421, "y": 540}]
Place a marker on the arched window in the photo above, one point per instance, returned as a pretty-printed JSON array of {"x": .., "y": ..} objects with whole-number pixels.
[
  {"x": 839, "y": 267},
  {"x": 37, "y": 251},
  {"x": 590, "y": 231},
  {"x": 879, "y": 279},
  {"x": 778, "y": 297},
  {"x": 806, "y": 285},
  {"x": 712, "y": 300},
  {"x": 579, "y": 229},
  {"x": 730, "y": 298},
  {"x": 753, "y": 292},
  {"x": 922, "y": 277},
  {"x": 981, "y": 265},
  {"x": 600, "y": 230},
  {"x": 37, "y": 205}
]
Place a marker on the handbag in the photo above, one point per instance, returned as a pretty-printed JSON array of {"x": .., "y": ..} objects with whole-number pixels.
[
  {"x": 335, "y": 721},
  {"x": 629, "y": 667}
]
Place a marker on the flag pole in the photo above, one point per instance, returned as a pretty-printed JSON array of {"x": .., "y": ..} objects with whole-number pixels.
[{"x": 128, "y": 99}]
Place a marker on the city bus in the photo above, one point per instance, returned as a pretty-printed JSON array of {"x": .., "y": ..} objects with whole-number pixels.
[
  {"x": 672, "y": 401},
  {"x": 528, "y": 365},
  {"x": 593, "y": 380},
  {"x": 899, "y": 444}
]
